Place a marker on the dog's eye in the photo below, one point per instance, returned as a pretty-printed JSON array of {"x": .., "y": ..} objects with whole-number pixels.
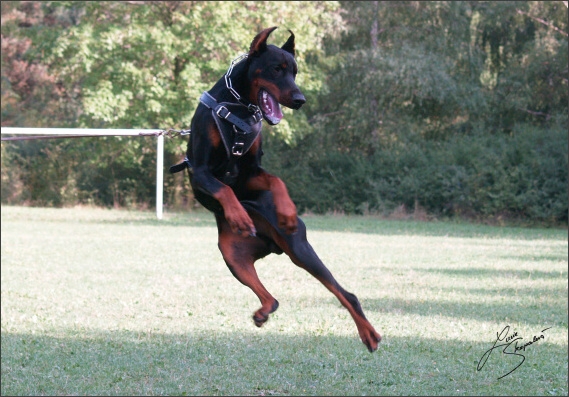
[{"x": 278, "y": 68}]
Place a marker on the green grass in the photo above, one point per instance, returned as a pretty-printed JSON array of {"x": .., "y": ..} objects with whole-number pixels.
[{"x": 116, "y": 302}]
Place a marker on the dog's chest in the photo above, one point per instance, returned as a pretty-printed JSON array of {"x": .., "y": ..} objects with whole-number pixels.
[{"x": 235, "y": 141}]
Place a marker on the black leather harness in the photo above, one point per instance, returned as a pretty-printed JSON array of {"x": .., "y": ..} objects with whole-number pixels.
[
  {"x": 238, "y": 132},
  {"x": 238, "y": 129}
]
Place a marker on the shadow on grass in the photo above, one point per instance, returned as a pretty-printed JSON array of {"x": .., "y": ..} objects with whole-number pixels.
[
  {"x": 478, "y": 272},
  {"x": 344, "y": 224},
  {"x": 524, "y": 304},
  {"x": 539, "y": 258},
  {"x": 374, "y": 225},
  {"x": 521, "y": 309},
  {"x": 361, "y": 224},
  {"x": 263, "y": 363},
  {"x": 518, "y": 304},
  {"x": 369, "y": 225}
]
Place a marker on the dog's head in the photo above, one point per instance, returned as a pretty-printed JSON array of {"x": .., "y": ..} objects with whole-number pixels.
[{"x": 272, "y": 71}]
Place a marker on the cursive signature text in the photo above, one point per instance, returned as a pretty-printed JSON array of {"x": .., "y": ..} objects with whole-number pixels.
[{"x": 509, "y": 339}]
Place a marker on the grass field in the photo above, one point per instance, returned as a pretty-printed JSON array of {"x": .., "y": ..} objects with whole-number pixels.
[{"x": 118, "y": 303}]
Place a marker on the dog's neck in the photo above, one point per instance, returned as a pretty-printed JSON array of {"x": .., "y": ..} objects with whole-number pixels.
[{"x": 240, "y": 83}]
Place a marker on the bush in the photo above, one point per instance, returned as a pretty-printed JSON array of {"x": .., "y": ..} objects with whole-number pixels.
[{"x": 522, "y": 176}]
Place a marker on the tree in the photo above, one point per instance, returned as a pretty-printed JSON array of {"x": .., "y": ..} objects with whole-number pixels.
[
  {"x": 433, "y": 103},
  {"x": 140, "y": 64},
  {"x": 435, "y": 68}
]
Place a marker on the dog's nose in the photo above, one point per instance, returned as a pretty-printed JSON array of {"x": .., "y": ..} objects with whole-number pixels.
[{"x": 298, "y": 100}]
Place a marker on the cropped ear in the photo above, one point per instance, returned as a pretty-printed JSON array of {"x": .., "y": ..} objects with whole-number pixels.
[
  {"x": 259, "y": 43},
  {"x": 289, "y": 45}
]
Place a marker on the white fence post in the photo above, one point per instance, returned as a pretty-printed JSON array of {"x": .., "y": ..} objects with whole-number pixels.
[{"x": 159, "y": 175}]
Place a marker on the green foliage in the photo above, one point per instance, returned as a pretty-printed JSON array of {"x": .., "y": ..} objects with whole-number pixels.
[
  {"x": 519, "y": 176},
  {"x": 136, "y": 66},
  {"x": 403, "y": 98},
  {"x": 87, "y": 170},
  {"x": 145, "y": 65},
  {"x": 443, "y": 67}
]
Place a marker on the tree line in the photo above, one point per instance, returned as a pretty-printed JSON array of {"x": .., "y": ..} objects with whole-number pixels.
[{"x": 457, "y": 108}]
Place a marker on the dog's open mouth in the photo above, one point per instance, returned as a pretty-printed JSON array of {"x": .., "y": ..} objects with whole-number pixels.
[{"x": 270, "y": 107}]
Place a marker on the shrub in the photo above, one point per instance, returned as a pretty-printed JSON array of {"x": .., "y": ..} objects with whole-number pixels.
[{"x": 522, "y": 175}]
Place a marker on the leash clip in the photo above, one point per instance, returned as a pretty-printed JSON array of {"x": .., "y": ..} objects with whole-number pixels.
[{"x": 172, "y": 133}]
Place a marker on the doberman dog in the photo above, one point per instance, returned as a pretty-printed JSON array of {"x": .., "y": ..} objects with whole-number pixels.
[{"x": 254, "y": 212}]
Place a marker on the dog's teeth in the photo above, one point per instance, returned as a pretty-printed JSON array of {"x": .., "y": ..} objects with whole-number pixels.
[{"x": 266, "y": 103}]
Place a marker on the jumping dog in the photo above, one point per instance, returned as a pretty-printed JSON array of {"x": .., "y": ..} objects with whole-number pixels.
[{"x": 254, "y": 212}]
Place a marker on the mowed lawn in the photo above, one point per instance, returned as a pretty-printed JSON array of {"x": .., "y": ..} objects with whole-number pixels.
[{"x": 109, "y": 302}]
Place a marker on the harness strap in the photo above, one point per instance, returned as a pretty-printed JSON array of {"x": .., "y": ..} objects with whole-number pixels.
[
  {"x": 222, "y": 112},
  {"x": 181, "y": 166}
]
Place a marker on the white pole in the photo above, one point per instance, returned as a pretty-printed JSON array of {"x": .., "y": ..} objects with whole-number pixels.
[{"x": 159, "y": 175}]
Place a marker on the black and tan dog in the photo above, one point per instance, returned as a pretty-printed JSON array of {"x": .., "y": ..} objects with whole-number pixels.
[{"x": 254, "y": 212}]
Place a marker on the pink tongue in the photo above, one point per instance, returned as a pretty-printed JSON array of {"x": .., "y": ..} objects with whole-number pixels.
[{"x": 271, "y": 108}]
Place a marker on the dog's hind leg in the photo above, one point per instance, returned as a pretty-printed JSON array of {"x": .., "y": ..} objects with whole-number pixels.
[
  {"x": 302, "y": 254},
  {"x": 240, "y": 254}
]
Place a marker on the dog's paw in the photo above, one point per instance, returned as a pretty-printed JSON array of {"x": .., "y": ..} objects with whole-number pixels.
[
  {"x": 241, "y": 223},
  {"x": 287, "y": 219},
  {"x": 286, "y": 213},
  {"x": 288, "y": 224},
  {"x": 260, "y": 317},
  {"x": 371, "y": 339}
]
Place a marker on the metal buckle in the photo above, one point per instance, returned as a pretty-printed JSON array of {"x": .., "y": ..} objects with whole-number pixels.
[
  {"x": 237, "y": 149},
  {"x": 220, "y": 109},
  {"x": 257, "y": 116},
  {"x": 253, "y": 108}
]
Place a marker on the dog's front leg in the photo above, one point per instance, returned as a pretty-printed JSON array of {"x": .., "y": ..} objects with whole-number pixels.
[
  {"x": 202, "y": 146},
  {"x": 235, "y": 214},
  {"x": 286, "y": 210}
]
